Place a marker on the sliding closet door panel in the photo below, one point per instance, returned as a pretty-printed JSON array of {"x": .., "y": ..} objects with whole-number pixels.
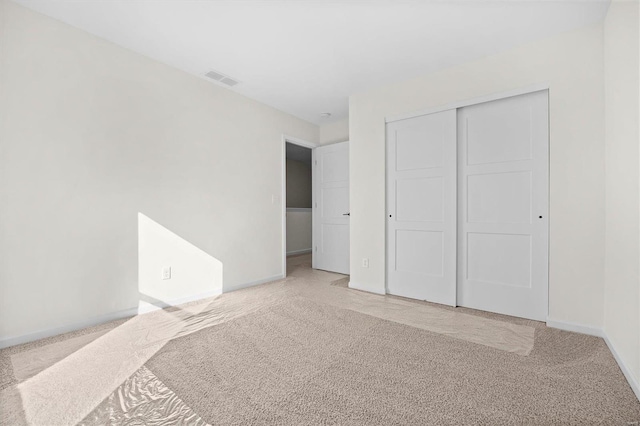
[
  {"x": 503, "y": 206},
  {"x": 421, "y": 208}
]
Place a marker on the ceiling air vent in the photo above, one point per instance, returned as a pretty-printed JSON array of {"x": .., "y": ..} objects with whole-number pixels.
[
  {"x": 229, "y": 81},
  {"x": 214, "y": 75}
]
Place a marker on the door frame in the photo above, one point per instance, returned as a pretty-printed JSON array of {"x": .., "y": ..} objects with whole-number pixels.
[
  {"x": 471, "y": 101},
  {"x": 455, "y": 106},
  {"x": 300, "y": 142}
]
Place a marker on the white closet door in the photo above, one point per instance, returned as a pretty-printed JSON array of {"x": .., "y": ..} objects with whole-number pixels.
[
  {"x": 503, "y": 206},
  {"x": 331, "y": 208},
  {"x": 421, "y": 207}
]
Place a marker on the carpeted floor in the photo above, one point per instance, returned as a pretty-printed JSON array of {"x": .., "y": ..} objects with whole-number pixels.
[
  {"x": 300, "y": 362},
  {"x": 307, "y": 350}
]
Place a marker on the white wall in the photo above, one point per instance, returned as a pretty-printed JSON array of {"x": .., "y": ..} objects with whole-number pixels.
[
  {"x": 194, "y": 273},
  {"x": 572, "y": 65},
  {"x": 299, "y": 192},
  {"x": 92, "y": 135},
  {"x": 299, "y": 231},
  {"x": 335, "y": 132},
  {"x": 299, "y": 197},
  {"x": 622, "y": 112}
]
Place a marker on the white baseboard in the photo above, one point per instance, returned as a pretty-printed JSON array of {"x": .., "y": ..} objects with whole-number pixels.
[
  {"x": 633, "y": 382},
  {"x": 42, "y": 334},
  {"x": 142, "y": 308},
  {"x": 356, "y": 286},
  {"x": 227, "y": 289},
  {"x": 156, "y": 306},
  {"x": 576, "y": 328},
  {"x": 598, "y": 332},
  {"x": 294, "y": 252}
]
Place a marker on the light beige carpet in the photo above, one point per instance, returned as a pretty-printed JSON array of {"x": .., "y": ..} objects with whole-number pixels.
[
  {"x": 303, "y": 351},
  {"x": 300, "y": 362}
]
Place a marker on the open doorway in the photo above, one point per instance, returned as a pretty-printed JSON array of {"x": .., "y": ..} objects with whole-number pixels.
[{"x": 297, "y": 200}]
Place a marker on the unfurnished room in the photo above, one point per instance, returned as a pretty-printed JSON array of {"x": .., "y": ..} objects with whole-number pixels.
[{"x": 312, "y": 212}]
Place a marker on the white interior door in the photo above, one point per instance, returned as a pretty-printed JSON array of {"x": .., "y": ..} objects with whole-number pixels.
[
  {"x": 503, "y": 206},
  {"x": 421, "y": 207},
  {"x": 331, "y": 207}
]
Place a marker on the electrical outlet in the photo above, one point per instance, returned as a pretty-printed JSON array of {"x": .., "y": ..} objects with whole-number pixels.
[
  {"x": 166, "y": 273},
  {"x": 365, "y": 262}
]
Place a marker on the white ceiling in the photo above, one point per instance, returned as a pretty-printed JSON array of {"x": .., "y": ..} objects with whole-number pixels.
[{"x": 306, "y": 57}]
